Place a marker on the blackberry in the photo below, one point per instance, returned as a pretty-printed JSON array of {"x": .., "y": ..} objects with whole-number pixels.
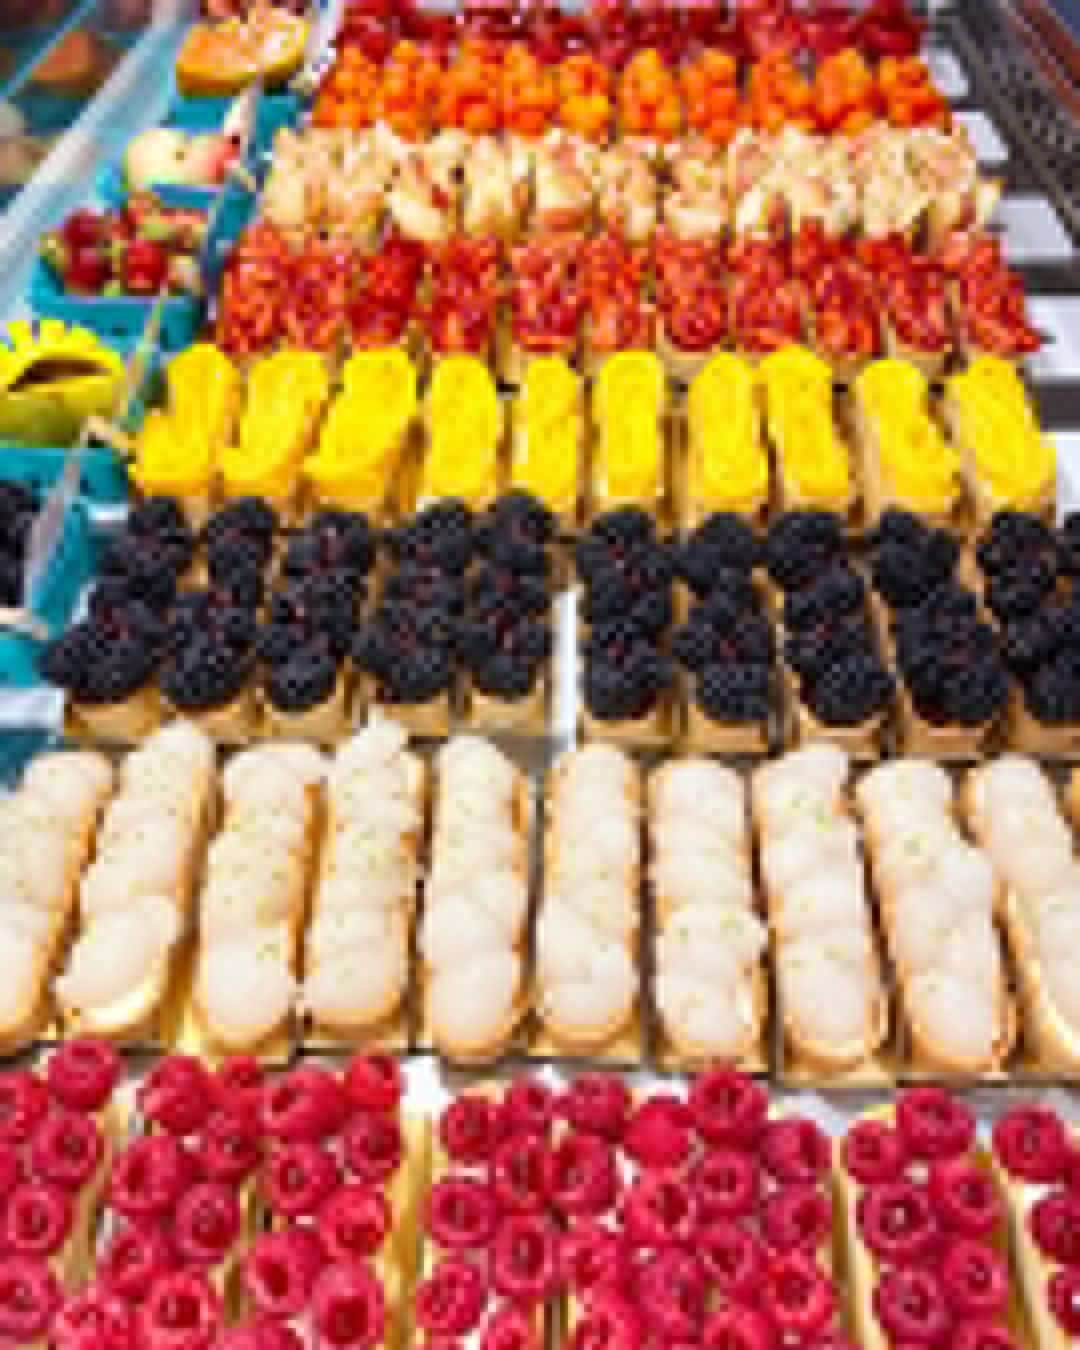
[
  {"x": 734, "y": 693},
  {"x": 1053, "y": 693},
  {"x": 439, "y": 536},
  {"x": 609, "y": 593},
  {"x": 304, "y": 681},
  {"x": 1029, "y": 642},
  {"x": 624, "y": 673},
  {"x": 850, "y": 690},
  {"x": 626, "y": 528},
  {"x": 510, "y": 669},
  {"x": 1014, "y": 539},
  {"x": 417, "y": 583},
  {"x": 277, "y": 643},
  {"x": 722, "y": 542},
  {"x": 206, "y": 676},
  {"x": 1069, "y": 545},
  {"x": 515, "y": 533},
  {"x": 694, "y": 645},
  {"x": 837, "y": 591},
  {"x": 157, "y": 516},
  {"x": 494, "y": 587},
  {"x": 333, "y": 541},
  {"x": 420, "y": 675},
  {"x": 244, "y": 587},
  {"x": 910, "y": 563},
  {"x": 731, "y": 595},
  {"x": 810, "y": 652},
  {"x": 126, "y": 666},
  {"x": 250, "y": 516},
  {"x": 899, "y": 527},
  {"x": 802, "y": 544},
  {"x": 146, "y": 571},
  {"x": 653, "y": 612},
  {"x": 1019, "y": 591},
  {"x": 978, "y": 693},
  {"x": 233, "y": 552},
  {"x": 65, "y": 660}
]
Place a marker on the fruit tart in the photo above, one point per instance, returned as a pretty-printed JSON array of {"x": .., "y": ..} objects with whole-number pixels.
[
  {"x": 1012, "y": 809},
  {"x": 588, "y": 928},
  {"x": 58, "y": 1132},
  {"x": 627, "y": 605},
  {"x": 987, "y": 298},
  {"x": 627, "y": 193},
  {"x": 464, "y": 421},
  {"x": 768, "y": 302},
  {"x": 49, "y": 824},
  {"x": 1007, "y": 462},
  {"x": 422, "y": 203},
  {"x": 563, "y": 183},
  {"x": 366, "y": 434},
  {"x": 937, "y": 897},
  {"x": 831, "y": 999},
  {"x": 617, "y": 315},
  {"x": 1033, "y": 1151},
  {"x": 253, "y": 900},
  {"x": 473, "y": 937},
  {"x": 696, "y": 206},
  {"x": 945, "y": 167},
  {"x": 629, "y": 453},
  {"x": 914, "y": 300},
  {"x": 691, "y": 301},
  {"x": 339, "y": 1181},
  {"x": 709, "y": 983},
  {"x": 547, "y": 443},
  {"x": 904, "y": 459},
  {"x": 547, "y": 303},
  {"x": 925, "y": 1227},
  {"x": 506, "y": 635},
  {"x": 461, "y": 312},
  {"x": 495, "y": 189},
  {"x": 179, "y": 446},
  {"x": 812, "y": 456},
  {"x": 724, "y": 648},
  {"x": 837, "y": 686},
  {"x": 285, "y": 398},
  {"x": 726, "y": 467},
  {"x": 382, "y": 308},
  {"x": 356, "y": 950},
  {"x": 136, "y": 898}
]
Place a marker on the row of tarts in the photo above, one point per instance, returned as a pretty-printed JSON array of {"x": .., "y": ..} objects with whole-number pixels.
[
  {"x": 232, "y": 1211},
  {"x": 905, "y": 925}
]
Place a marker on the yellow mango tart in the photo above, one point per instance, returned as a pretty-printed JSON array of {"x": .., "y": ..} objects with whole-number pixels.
[
  {"x": 548, "y": 434},
  {"x": 630, "y": 396},
  {"x": 52, "y": 378},
  {"x": 728, "y": 468},
  {"x": 799, "y": 414},
  {"x": 286, "y": 395},
  {"x": 365, "y": 432},
  {"x": 178, "y": 446},
  {"x": 465, "y": 428},
  {"x": 919, "y": 469},
  {"x": 1013, "y": 464}
]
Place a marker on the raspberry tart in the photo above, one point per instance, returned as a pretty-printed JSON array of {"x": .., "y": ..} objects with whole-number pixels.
[{"x": 926, "y": 1228}]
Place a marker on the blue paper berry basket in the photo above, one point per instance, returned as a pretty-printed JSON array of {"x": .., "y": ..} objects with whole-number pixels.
[{"x": 116, "y": 318}]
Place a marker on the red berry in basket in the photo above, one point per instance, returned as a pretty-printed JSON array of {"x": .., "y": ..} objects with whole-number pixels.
[
  {"x": 982, "y": 1335},
  {"x": 238, "y": 1086},
  {"x": 231, "y": 1146},
  {"x": 354, "y": 1223},
  {"x": 66, "y": 1149},
  {"x": 451, "y": 1300},
  {"x": 796, "y": 1296},
  {"x": 468, "y": 1129},
  {"x": 135, "y": 1257},
  {"x": 658, "y": 1133},
  {"x": 29, "y": 1296},
  {"x": 373, "y": 1146},
  {"x": 207, "y": 1223},
  {"x": 1031, "y": 1144},
  {"x": 874, "y": 1152},
  {"x": 660, "y": 1210},
  {"x": 897, "y": 1221},
  {"x": 728, "y": 1108},
  {"x": 298, "y": 1178},
  {"x": 671, "y": 1295},
  {"x": 525, "y": 1258},
  {"x": 24, "y": 1100},
  {"x": 593, "y": 1258},
  {"x": 146, "y": 267},
  {"x": 737, "y": 1328},
  {"x": 1054, "y": 1222},
  {"x": 373, "y": 1082},
  {"x": 306, "y": 1104},
  {"x": 598, "y": 1103},
  {"x": 797, "y": 1216},
  {"x": 94, "y": 1320},
  {"x": 177, "y": 1094},
  {"x": 461, "y": 1214},
  {"x": 732, "y": 1258},
  {"x": 933, "y": 1124},
  {"x": 580, "y": 1175},
  {"x": 37, "y": 1219},
  {"x": 1063, "y": 1292},
  {"x": 82, "y": 229},
  {"x": 910, "y": 1305},
  {"x": 965, "y": 1198},
  {"x": 182, "y": 1312},
  {"x": 725, "y": 1184},
  {"x": 510, "y": 1328},
  {"x": 608, "y": 1322},
  {"x": 280, "y": 1271},
  {"x": 795, "y": 1150},
  {"x": 527, "y": 1105},
  {"x": 82, "y": 1073},
  {"x": 975, "y": 1279},
  {"x": 148, "y": 1177},
  {"x": 518, "y": 1173}
]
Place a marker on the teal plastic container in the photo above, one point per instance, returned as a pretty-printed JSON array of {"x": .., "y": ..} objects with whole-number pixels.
[{"x": 117, "y": 318}]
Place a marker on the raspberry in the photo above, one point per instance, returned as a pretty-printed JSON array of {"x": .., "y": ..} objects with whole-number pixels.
[
  {"x": 82, "y": 1073},
  {"x": 658, "y": 1133}
]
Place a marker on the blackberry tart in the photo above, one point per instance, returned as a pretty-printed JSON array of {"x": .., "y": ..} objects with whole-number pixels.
[
  {"x": 106, "y": 665},
  {"x": 724, "y": 654},
  {"x": 506, "y": 637},
  {"x": 837, "y": 687},
  {"x": 302, "y": 649},
  {"x": 408, "y": 651},
  {"x": 627, "y": 608},
  {"x": 209, "y": 677}
]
